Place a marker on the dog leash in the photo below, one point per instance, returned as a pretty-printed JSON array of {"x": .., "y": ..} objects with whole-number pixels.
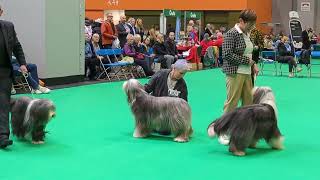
[{"x": 26, "y": 75}]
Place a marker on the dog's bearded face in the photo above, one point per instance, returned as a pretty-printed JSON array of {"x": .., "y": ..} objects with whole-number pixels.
[
  {"x": 259, "y": 93},
  {"x": 131, "y": 88},
  {"x": 45, "y": 111}
]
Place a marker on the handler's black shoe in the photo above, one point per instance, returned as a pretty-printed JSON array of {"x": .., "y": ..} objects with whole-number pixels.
[{"x": 5, "y": 142}]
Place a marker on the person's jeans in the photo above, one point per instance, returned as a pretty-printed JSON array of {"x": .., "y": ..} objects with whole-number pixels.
[{"x": 32, "y": 78}]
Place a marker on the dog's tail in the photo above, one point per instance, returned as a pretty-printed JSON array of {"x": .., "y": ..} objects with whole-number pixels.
[
  {"x": 210, "y": 130},
  {"x": 219, "y": 126}
]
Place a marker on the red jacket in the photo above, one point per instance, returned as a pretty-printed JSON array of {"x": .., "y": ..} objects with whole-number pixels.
[
  {"x": 218, "y": 42},
  {"x": 205, "y": 44},
  {"x": 107, "y": 32}
]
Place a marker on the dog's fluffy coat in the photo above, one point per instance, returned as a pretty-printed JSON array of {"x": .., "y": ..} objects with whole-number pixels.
[
  {"x": 246, "y": 125},
  {"x": 162, "y": 114},
  {"x": 29, "y": 117}
]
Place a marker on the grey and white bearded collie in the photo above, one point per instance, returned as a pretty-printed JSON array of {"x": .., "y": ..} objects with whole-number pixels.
[
  {"x": 246, "y": 125},
  {"x": 161, "y": 114},
  {"x": 29, "y": 118}
]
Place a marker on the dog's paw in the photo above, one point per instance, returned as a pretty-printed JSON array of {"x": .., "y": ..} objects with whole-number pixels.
[
  {"x": 138, "y": 134},
  {"x": 37, "y": 142},
  {"x": 181, "y": 139},
  {"x": 277, "y": 143},
  {"x": 239, "y": 153}
]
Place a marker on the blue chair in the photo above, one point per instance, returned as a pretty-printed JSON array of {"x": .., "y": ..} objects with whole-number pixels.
[
  {"x": 315, "y": 54},
  {"x": 117, "y": 66},
  {"x": 265, "y": 59}
]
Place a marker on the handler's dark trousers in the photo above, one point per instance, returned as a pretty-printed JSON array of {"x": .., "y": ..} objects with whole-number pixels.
[{"x": 5, "y": 94}]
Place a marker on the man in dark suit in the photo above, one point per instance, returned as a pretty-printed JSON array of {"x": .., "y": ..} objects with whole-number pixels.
[
  {"x": 123, "y": 31},
  {"x": 9, "y": 44}
]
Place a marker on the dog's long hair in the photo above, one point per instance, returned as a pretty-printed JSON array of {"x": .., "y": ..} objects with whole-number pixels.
[
  {"x": 246, "y": 125},
  {"x": 158, "y": 113},
  {"x": 30, "y": 117}
]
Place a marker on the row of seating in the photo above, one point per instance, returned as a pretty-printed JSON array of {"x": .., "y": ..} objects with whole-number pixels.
[
  {"x": 118, "y": 69},
  {"x": 270, "y": 57}
]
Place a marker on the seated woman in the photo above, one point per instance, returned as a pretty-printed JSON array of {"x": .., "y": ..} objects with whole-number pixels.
[
  {"x": 32, "y": 78},
  {"x": 139, "y": 46},
  {"x": 286, "y": 55},
  {"x": 205, "y": 43},
  {"x": 91, "y": 59},
  {"x": 162, "y": 54},
  {"x": 147, "y": 43},
  {"x": 139, "y": 58}
]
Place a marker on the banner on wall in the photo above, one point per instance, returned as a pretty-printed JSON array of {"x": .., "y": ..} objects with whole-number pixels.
[
  {"x": 305, "y": 6},
  {"x": 171, "y": 13}
]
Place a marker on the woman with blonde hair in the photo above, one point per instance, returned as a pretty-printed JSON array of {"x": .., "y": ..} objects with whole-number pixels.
[
  {"x": 285, "y": 51},
  {"x": 139, "y": 28},
  {"x": 152, "y": 36}
]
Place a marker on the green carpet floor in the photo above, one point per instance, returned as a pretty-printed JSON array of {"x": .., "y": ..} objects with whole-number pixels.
[{"x": 91, "y": 137}]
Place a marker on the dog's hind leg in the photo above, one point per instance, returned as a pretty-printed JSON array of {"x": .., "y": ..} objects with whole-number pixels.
[
  {"x": 253, "y": 143},
  {"x": 140, "y": 132},
  {"x": 276, "y": 142},
  {"x": 183, "y": 137},
  {"x": 190, "y": 131},
  {"x": 236, "y": 151}
]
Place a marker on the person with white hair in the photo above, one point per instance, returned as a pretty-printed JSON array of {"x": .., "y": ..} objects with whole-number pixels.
[
  {"x": 169, "y": 82},
  {"x": 139, "y": 58}
]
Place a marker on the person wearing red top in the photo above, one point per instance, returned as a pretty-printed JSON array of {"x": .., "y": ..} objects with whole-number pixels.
[
  {"x": 219, "y": 40},
  {"x": 205, "y": 43},
  {"x": 109, "y": 32}
]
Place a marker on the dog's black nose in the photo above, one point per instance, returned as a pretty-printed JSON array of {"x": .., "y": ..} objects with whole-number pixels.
[{"x": 53, "y": 116}]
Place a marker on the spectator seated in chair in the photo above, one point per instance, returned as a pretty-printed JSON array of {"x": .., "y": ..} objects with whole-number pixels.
[
  {"x": 32, "y": 78},
  {"x": 139, "y": 58},
  {"x": 147, "y": 43},
  {"x": 162, "y": 54},
  {"x": 219, "y": 41},
  {"x": 171, "y": 46},
  {"x": 91, "y": 60},
  {"x": 205, "y": 43},
  {"x": 285, "y": 51}
]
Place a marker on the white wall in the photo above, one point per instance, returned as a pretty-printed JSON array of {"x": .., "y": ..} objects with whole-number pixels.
[
  {"x": 281, "y": 8},
  {"x": 51, "y": 34},
  {"x": 64, "y": 38},
  {"x": 317, "y": 16},
  {"x": 29, "y": 20},
  {"x": 307, "y": 18},
  {"x": 280, "y": 14}
]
